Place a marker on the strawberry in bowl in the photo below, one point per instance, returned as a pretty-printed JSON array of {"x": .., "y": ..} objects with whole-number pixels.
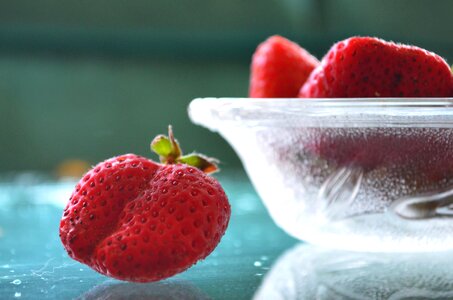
[
  {"x": 361, "y": 67},
  {"x": 279, "y": 68}
]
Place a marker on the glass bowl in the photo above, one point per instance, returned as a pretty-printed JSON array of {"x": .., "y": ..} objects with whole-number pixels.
[{"x": 369, "y": 174}]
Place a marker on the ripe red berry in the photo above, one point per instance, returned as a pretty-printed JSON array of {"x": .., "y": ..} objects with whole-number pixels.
[
  {"x": 371, "y": 67},
  {"x": 279, "y": 68},
  {"x": 133, "y": 219}
]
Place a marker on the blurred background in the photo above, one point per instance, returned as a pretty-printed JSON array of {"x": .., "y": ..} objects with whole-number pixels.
[{"x": 81, "y": 81}]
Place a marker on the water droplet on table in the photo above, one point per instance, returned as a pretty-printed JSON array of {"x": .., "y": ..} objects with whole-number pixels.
[{"x": 16, "y": 281}]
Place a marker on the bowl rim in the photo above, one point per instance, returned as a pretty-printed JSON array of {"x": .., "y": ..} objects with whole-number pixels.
[
  {"x": 217, "y": 113},
  {"x": 342, "y": 102}
]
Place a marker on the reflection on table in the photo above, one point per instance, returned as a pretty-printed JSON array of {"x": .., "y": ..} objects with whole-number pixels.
[
  {"x": 309, "y": 272},
  {"x": 167, "y": 290}
]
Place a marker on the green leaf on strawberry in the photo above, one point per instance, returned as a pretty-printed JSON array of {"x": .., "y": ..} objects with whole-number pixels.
[{"x": 169, "y": 151}]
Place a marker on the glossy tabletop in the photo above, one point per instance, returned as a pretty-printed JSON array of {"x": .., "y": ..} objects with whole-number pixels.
[
  {"x": 34, "y": 265},
  {"x": 255, "y": 259}
]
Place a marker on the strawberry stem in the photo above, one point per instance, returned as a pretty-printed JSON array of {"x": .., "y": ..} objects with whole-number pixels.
[
  {"x": 174, "y": 143},
  {"x": 169, "y": 151}
]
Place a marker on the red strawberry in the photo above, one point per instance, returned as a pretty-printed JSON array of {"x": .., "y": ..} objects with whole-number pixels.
[
  {"x": 371, "y": 148},
  {"x": 371, "y": 67},
  {"x": 133, "y": 219},
  {"x": 279, "y": 68},
  {"x": 418, "y": 155}
]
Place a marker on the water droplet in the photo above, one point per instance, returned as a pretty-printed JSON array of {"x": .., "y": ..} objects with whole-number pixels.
[
  {"x": 17, "y": 294},
  {"x": 257, "y": 264},
  {"x": 264, "y": 258},
  {"x": 16, "y": 281}
]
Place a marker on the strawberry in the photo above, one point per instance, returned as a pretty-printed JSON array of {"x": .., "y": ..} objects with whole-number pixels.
[
  {"x": 279, "y": 68},
  {"x": 137, "y": 220},
  {"x": 371, "y": 148},
  {"x": 371, "y": 67}
]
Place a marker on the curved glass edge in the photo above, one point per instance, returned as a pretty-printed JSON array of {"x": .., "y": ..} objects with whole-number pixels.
[
  {"x": 350, "y": 102},
  {"x": 338, "y": 112}
]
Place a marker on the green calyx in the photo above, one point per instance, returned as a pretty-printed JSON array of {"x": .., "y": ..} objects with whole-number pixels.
[{"x": 169, "y": 151}]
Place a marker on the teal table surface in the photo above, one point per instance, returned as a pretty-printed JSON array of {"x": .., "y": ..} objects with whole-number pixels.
[
  {"x": 34, "y": 265},
  {"x": 255, "y": 259}
]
